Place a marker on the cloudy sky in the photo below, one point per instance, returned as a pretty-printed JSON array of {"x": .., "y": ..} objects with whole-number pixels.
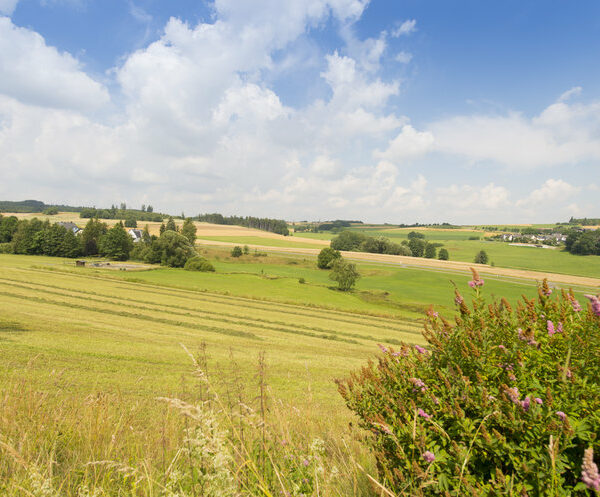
[{"x": 389, "y": 110}]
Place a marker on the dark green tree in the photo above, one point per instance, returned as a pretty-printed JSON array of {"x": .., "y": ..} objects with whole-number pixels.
[
  {"x": 344, "y": 273},
  {"x": 149, "y": 209},
  {"x": 326, "y": 257},
  {"x": 430, "y": 251},
  {"x": 22, "y": 240},
  {"x": 171, "y": 249},
  {"x": 481, "y": 257},
  {"x": 415, "y": 234},
  {"x": 236, "y": 251},
  {"x": 348, "y": 240},
  {"x": 198, "y": 263},
  {"x": 162, "y": 228},
  {"x": 443, "y": 255},
  {"x": 8, "y": 227},
  {"x": 116, "y": 244},
  {"x": 189, "y": 230},
  {"x": 417, "y": 247},
  {"x": 91, "y": 235},
  {"x": 171, "y": 226},
  {"x": 130, "y": 221}
]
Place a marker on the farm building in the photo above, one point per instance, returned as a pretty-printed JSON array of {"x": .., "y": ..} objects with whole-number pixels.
[{"x": 135, "y": 234}]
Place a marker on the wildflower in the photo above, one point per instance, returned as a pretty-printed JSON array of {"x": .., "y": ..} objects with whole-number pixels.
[
  {"x": 476, "y": 281},
  {"x": 539, "y": 401},
  {"x": 423, "y": 414},
  {"x": 550, "y": 328},
  {"x": 512, "y": 377},
  {"x": 305, "y": 462},
  {"x": 420, "y": 349},
  {"x": 589, "y": 470},
  {"x": 513, "y": 395},
  {"x": 575, "y": 304},
  {"x": 526, "y": 403},
  {"x": 458, "y": 299},
  {"x": 561, "y": 415},
  {"x": 502, "y": 347},
  {"x": 383, "y": 349},
  {"x": 546, "y": 290},
  {"x": 595, "y": 301},
  {"x": 418, "y": 383},
  {"x": 429, "y": 456}
]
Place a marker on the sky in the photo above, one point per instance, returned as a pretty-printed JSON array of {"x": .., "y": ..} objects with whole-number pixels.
[{"x": 395, "y": 111}]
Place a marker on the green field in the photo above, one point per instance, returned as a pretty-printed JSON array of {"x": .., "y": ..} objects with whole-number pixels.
[{"x": 87, "y": 353}]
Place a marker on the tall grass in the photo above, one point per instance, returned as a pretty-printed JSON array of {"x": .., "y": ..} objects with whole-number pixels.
[{"x": 219, "y": 435}]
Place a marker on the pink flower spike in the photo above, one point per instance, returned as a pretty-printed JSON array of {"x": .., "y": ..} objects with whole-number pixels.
[
  {"x": 383, "y": 348},
  {"x": 472, "y": 284},
  {"x": 550, "y": 327},
  {"x": 423, "y": 414},
  {"x": 539, "y": 401},
  {"x": 420, "y": 349},
  {"x": 595, "y": 301},
  {"x": 501, "y": 347},
  {"x": 429, "y": 456},
  {"x": 589, "y": 471},
  {"x": 561, "y": 415},
  {"x": 526, "y": 403}
]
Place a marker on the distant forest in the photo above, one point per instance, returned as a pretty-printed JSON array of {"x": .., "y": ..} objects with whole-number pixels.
[
  {"x": 25, "y": 206},
  {"x": 278, "y": 226}
]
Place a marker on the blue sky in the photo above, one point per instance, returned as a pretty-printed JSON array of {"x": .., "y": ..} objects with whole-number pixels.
[{"x": 395, "y": 111}]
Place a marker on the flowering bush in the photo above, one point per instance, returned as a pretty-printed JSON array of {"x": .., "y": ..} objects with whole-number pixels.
[{"x": 500, "y": 402}]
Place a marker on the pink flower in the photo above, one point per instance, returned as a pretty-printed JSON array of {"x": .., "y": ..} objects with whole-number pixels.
[
  {"x": 423, "y": 414},
  {"x": 575, "y": 305},
  {"x": 539, "y": 401},
  {"x": 595, "y": 301},
  {"x": 550, "y": 327},
  {"x": 420, "y": 349},
  {"x": 513, "y": 395},
  {"x": 526, "y": 403},
  {"x": 472, "y": 284},
  {"x": 383, "y": 349},
  {"x": 476, "y": 283},
  {"x": 589, "y": 471},
  {"x": 429, "y": 456},
  {"x": 501, "y": 347},
  {"x": 418, "y": 383},
  {"x": 561, "y": 415},
  {"x": 305, "y": 462}
]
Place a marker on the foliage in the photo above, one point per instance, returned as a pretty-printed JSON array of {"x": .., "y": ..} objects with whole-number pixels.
[
  {"x": 23, "y": 238},
  {"x": 50, "y": 211},
  {"x": 417, "y": 247},
  {"x": 170, "y": 249},
  {"x": 198, "y": 263},
  {"x": 116, "y": 244},
  {"x": 236, "y": 251},
  {"x": 502, "y": 402},
  {"x": 344, "y": 273},
  {"x": 189, "y": 231},
  {"x": 348, "y": 241},
  {"x": 430, "y": 251},
  {"x": 90, "y": 236},
  {"x": 273, "y": 225},
  {"x": 583, "y": 243},
  {"x": 8, "y": 227},
  {"x": 443, "y": 255},
  {"x": 416, "y": 234},
  {"x": 131, "y": 222},
  {"x": 171, "y": 226},
  {"x": 481, "y": 257},
  {"x": 326, "y": 257},
  {"x": 120, "y": 213}
]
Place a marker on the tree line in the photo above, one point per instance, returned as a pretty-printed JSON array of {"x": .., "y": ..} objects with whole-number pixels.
[
  {"x": 131, "y": 216},
  {"x": 415, "y": 246},
  {"x": 278, "y": 226},
  {"x": 173, "y": 248},
  {"x": 583, "y": 242}
]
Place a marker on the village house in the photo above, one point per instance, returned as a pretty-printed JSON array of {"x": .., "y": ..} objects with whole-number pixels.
[
  {"x": 135, "y": 234},
  {"x": 70, "y": 226}
]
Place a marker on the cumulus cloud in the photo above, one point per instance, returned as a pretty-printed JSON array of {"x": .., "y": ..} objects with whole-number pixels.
[
  {"x": 36, "y": 73},
  {"x": 552, "y": 191},
  {"x": 407, "y": 27},
  {"x": 408, "y": 144},
  {"x": 403, "y": 57},
  {"x": 487, "y": 197}
]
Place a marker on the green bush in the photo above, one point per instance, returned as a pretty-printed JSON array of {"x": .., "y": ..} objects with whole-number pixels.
[
  {"x": 500, "y": 402},
  {"x": 443, "y": 255},
  {"x": 327, "y": 257},
  {"x": 344, "y": 273},
  {"x": 481, "y": 257},
  {"x": 198, "y": 263},
  {"x": 236, "y": 251}
]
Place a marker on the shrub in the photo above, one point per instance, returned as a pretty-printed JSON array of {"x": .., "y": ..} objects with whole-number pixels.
[
  {"x": 430, "y": 251},
  {"x": 50, "y": 211},
  {"x": 236, "y": 251},
  {"x": 500, "y": 402},
  {"x": 443, "y": 255},
  {"x": 170, "y": 249},
  {"x": 327, "y": 257},
  {"x": 198, "y": 263},
  {"x": 481, "y": 257}
]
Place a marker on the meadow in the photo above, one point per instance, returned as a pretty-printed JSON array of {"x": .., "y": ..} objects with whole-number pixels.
[{"x": 88, "y": 354}]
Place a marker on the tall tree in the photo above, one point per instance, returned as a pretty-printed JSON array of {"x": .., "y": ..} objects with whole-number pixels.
[
  {"x": 90, "y": 236},
  {"x": 117, "y": 243},
  {"x": 189, "y": 230},
  {"x": 344, "y": 273},
  {"x": 171, "y": 226}
]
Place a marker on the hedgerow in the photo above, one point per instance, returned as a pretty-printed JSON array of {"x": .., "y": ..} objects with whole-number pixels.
[{"x": 500, "y": 402}]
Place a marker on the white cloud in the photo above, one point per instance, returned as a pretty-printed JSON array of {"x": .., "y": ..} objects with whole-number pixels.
[
  {"x": 573, "y": 92},
  {"x": 561, "y": 134},
  {"x": 551, "y": 192},
  {"x": 468, "y": 197},
  {"x": 36, "y": 73},
  {"x": 7, "y": 7},
  {"x": 403, "y": 57},
  {"x": 408, "y": 144},
  {"x": 406, "y": 28}
]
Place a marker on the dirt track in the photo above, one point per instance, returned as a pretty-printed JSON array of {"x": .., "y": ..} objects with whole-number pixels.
[{"x": 562, "y": 279}]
